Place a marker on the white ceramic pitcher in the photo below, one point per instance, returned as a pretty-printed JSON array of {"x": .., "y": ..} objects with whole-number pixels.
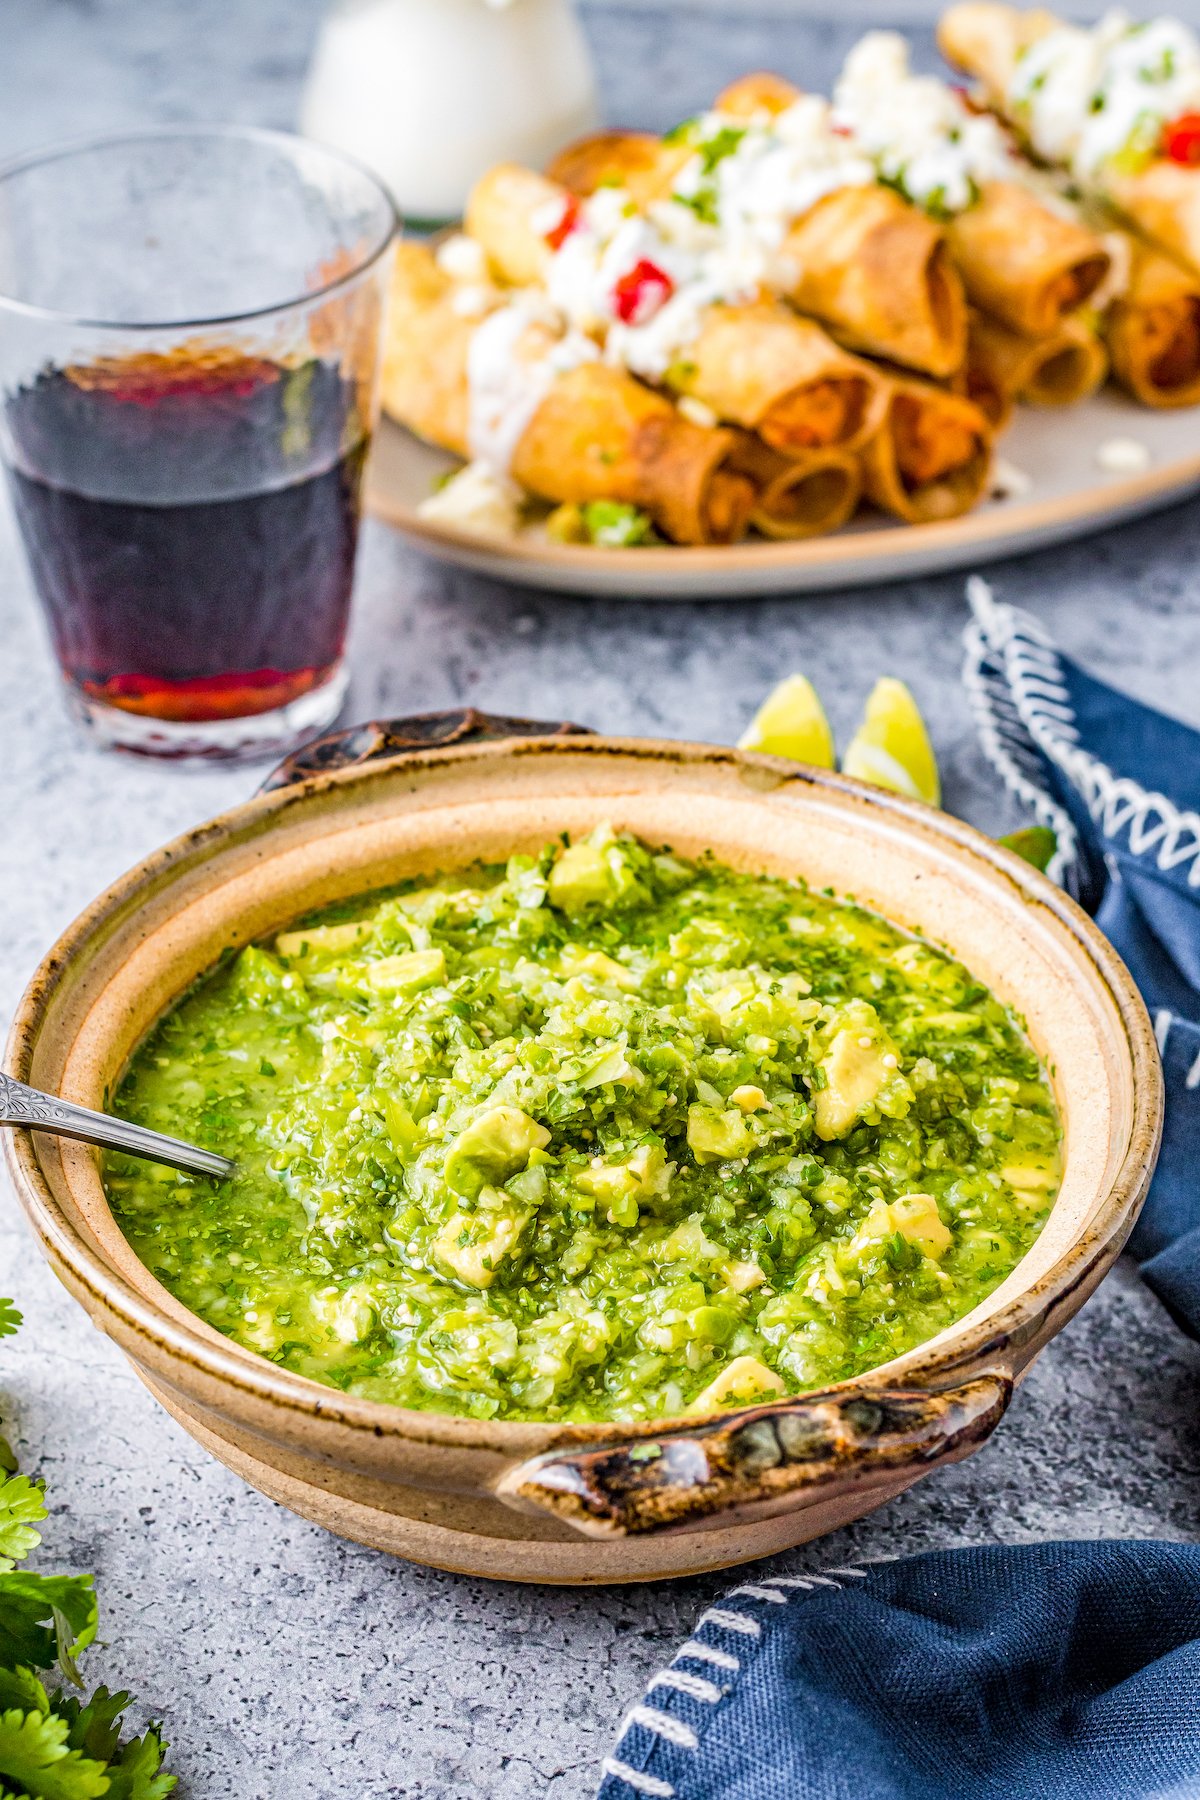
[{"x": 431, "y": 93}]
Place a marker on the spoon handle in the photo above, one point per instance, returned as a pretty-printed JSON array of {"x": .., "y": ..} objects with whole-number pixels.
[{"x": 21, "y": 1105}]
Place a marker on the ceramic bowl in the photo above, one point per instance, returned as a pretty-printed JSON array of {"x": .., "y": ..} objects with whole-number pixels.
[{"x": 593, "y": 1502}]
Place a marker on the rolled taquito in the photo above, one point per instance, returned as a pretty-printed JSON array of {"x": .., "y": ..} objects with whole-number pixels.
[
  {"x": 760, "y": 95},
  {"x": 1152, "y": 329},
  {"x": 1023, "y": 258},
  {"x": 506, "y": 388},
  {"x": 1023, "y": 262},
  {"x": 932, "y": 458},
  {"x": 861, "y": 261},
  {"x": 1117, "y": 105},
  {"x": 1005, "y": 366},
  {"x": 913, "y": 314},
  {"x": 783, "y": 377},
  {"x": 799, "y": 496},
  {"x": 880, "y": 275},
  {"x": 637, "y": 161}
]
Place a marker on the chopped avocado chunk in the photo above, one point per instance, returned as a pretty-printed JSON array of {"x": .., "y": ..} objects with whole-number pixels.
[
  {"x": 474, "y": 1245},
  {"x": 493, "y": 1147},
  {"x": 580, "y": 878},
  {"x": 717, "y": 1136},
  {"x": 748, "y": 1098},
  {"x": 601, "y": 966},
  {"x": 740, "y": 1383},
  {"x": 859, "y": 1065},
  {"x": 1035, "y": 844},
  {"x": 323, "y": 940},
  {"x": 914, "y": 1217},
  {"x": 408, "y": 972}
]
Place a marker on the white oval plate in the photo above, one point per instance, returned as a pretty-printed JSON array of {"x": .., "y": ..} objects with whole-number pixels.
[{"x": 1069, "y": 496}]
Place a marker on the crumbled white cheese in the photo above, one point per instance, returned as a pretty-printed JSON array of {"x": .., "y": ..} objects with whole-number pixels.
[
  {"x": 1123, "y": 456},
  {"x": 476, "y": 499},
  {"x": 1009, "y": 482},
  {"x": 697, "y": 412},
  {"x": 470, "y": 301},
  {"x": 460, "y": 257},
  {"x": 916, "y": 128},
  {"x": 778, "y": 173}
]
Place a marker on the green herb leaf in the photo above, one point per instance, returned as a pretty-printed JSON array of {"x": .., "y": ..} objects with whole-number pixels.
[
  {"x": 45, "y": 1619},
  {"x": 614, "y": 524},
  {"x": 35, "y": 1755},
  {"x": 22, "y": 1506}
]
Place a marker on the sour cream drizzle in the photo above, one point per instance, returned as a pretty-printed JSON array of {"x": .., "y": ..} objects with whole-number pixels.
[
  {"x": 512, "y": 360},
  {"x": 1087, "y": 96}
]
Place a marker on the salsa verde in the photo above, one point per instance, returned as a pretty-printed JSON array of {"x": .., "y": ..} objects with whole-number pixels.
[{"x": 602, "y": 1134}]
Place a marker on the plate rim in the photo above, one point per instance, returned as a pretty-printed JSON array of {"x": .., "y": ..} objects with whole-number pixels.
[{"x": 872, "y": 552}]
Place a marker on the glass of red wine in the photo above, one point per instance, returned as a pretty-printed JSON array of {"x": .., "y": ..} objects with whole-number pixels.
[{"x": 190, "y": 324}]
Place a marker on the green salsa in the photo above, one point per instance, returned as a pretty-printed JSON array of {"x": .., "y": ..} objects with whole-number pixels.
[{"x": 602, "y": 1134}]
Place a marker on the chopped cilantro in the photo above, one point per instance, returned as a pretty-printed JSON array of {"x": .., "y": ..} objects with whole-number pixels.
[
  {"x": 703, "y": 203},
  {"x": 686, "y": 132},
  {"x": 615, "y": 525},
  {"x": 723, "y": 143}
]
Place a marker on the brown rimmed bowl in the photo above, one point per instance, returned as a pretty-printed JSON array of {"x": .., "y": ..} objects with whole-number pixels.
[{"x": 595, "y": 1502}]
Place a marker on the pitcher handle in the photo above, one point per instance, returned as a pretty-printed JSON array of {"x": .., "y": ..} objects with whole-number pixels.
[
  {"x": 759, "y": 1461},
  {"x": 354, "y": 745}
]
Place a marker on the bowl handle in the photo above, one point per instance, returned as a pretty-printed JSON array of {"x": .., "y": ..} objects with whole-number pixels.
[
  {"x": 378, "y": 738},
  {"x": 757, "y": 1462}
]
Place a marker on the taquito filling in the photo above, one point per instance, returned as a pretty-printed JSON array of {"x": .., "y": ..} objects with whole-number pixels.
[
  {"x": 1058, "y": 378},
  {"x": 930, "y": 442},
  {"x": 1106, "y": 97},
  {"x": 1170, "y": 340},
  {"x": 817, "y": 415},
  {"x": 808, "y": 499},
  {"x": 1074, "y": 285}
]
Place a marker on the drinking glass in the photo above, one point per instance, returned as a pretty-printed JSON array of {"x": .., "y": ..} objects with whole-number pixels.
[{"x": 190, "y": 326}]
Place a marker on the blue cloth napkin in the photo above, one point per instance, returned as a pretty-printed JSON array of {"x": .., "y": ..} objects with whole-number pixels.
[
  {"x": 1036, "y": 1672},
  {"x": 1066, "y": 1671},
  {"x": 1119, "y": 784}
]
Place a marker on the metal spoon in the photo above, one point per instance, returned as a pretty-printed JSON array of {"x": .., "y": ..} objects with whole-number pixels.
[{"x": 21, "y": 1105}]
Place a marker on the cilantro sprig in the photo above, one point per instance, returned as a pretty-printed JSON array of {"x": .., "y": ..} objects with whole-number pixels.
[{"x": 54, "y": 1745}]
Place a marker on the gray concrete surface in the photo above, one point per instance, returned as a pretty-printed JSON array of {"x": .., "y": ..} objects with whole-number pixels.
[{"x": 287, "y": 1663}]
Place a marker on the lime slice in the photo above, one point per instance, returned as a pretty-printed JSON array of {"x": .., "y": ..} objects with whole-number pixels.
[
  {"x": 891, "y": 747},
  {"x": 791, "y": 722},
  {"x": 1036, "y": 844}
]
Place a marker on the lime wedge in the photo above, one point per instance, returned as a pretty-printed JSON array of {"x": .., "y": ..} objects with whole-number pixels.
[
  {"x": 791, "y": 722},
  {"x": 891, "y": 747},
  {"x": 1036, "y": 844}
]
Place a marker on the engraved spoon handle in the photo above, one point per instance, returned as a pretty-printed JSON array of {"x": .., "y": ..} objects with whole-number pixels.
[{"x": 21, "y": 1105}]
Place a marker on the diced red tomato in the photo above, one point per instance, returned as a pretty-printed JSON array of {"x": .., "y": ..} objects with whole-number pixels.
[
  {"x": 568, "y": 221},
  {"x": 640, "y": 292},
  {"x": 841, "y": 130},
  {"x": 1181, "y": 140}
]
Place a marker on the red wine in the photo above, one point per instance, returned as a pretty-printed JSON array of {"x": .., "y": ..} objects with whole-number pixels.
[{"x": 191, "y": 526}]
